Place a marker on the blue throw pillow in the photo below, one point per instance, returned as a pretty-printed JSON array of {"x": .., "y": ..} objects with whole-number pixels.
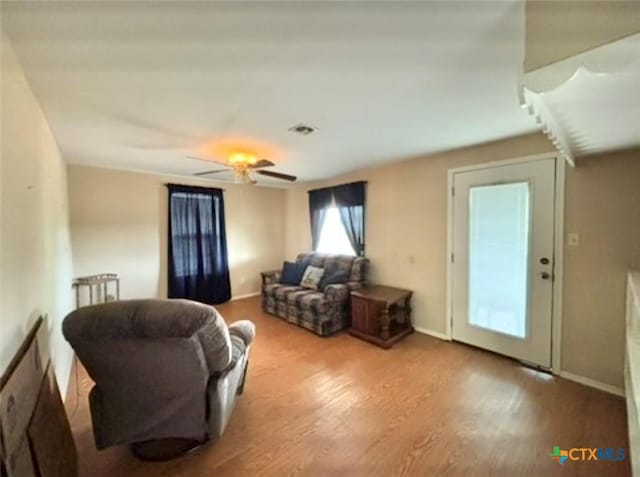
[
  {"x": 338, "y": 276},
  {"x": 292, "y": 273}
]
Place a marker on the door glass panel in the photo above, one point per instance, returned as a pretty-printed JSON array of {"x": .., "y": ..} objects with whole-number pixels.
[{"x": 499, "y": 257}]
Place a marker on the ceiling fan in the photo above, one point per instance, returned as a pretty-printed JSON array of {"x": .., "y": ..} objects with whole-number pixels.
[{"x": 244, "y": 167}]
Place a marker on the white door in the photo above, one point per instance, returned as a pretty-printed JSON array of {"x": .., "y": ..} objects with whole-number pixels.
[{"x": 503, "y": 236}]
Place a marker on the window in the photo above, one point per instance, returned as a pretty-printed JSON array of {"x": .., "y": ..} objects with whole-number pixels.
[
  {"x": 191, "y": 236},
  {"x": 337, "y": 219},
  {"x": 198, "y": 267},
  {"x": 333, "y": 237}
]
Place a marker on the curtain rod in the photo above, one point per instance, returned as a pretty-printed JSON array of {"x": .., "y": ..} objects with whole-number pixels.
[
  {"x": 338, "y": 185},
  {"x": 167, "y": 184}
]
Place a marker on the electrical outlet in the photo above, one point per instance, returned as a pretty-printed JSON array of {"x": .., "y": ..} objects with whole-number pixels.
[{"x": 573, "y": 239}]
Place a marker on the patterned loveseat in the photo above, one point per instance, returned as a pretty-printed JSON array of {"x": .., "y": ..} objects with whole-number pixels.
[{"x": 323, "y": 312}]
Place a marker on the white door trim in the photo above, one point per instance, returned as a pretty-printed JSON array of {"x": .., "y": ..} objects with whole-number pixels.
[
  {"x": 558, "y": 263},
  {"x": 556, "y": 313}
]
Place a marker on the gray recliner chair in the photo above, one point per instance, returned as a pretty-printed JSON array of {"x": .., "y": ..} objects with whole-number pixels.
[{"x": 166, "y": 372}]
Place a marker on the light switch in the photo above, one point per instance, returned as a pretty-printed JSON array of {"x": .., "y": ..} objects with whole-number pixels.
[{"x": 573, "y": 239}]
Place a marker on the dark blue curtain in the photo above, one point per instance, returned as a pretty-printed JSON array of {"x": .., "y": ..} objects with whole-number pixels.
[
  {"x": 319, "y": 202},
  {"x": 198, "y": 262},
  {"x": 350, "y": 199}
]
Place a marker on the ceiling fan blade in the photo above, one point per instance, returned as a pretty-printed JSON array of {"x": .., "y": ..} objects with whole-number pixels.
[
  {"x": 277, "y": 175},
  {"x": 261, "y": 163},
  {"x": 204, "y": 173},
  {"x": 208, "y": 160}
]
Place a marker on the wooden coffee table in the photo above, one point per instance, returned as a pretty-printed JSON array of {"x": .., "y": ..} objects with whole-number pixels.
[{"x": 381, "y": 314}]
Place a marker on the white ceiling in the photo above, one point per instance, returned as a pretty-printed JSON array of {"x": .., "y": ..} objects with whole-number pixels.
[{"x": 140, "y": 85}]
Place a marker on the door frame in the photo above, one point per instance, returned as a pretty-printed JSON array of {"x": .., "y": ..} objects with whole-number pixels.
[{"x": 558, "y": 243}]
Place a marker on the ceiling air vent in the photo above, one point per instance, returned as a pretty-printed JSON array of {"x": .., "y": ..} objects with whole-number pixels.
[{"x": 302, "y": 129}]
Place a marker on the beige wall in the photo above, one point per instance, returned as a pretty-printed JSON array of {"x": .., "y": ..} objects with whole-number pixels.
[
  {"x": 407, "y": 239},
  {"x": 119, "y": 225},
  {"x": 556, "y": 30},
  {"x": 406, "y": 222},
  {"x": 603, "y": 207},
  {"x": 35, "y": 254}
]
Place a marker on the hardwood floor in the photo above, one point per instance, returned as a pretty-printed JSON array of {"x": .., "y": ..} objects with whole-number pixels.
[{"x": 340, "y": 406}]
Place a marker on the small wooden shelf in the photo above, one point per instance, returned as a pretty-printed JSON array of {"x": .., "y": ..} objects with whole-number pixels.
[{"x": 381, "y": 314}]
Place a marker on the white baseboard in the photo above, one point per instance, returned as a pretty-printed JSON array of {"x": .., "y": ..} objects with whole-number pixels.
[
  {"x": 435, "y": 334},
  {"x": 608, "y": 388},
  {"x": 247, "y": 295}
]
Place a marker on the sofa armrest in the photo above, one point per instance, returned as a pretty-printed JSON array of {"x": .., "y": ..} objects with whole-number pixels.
[
  {"x": 243, "y": 329},
  {"x": 271, "y": 276},
  {"x": 355, "y": 285},
  {"x": 337, "y": 292}
]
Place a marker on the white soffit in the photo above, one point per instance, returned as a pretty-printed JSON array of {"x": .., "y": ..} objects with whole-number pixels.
[{"x": 589, "y": 103}]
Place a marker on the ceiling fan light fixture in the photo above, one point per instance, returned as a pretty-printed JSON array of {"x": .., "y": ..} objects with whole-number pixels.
[
  {"x": 242, "y": 158},
  {"x": 241, "y": 163},
  {"x": 244, "y": 167},
  {"x": 243, "y": 177}
]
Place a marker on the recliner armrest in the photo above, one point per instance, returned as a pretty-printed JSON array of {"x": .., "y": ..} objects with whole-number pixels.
[{"x": 243, "y": 329}]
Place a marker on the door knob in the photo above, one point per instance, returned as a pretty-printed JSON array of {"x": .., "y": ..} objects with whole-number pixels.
[
  {"x": 544, "y": 261},
  {"x": 545, "y": 275}
]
